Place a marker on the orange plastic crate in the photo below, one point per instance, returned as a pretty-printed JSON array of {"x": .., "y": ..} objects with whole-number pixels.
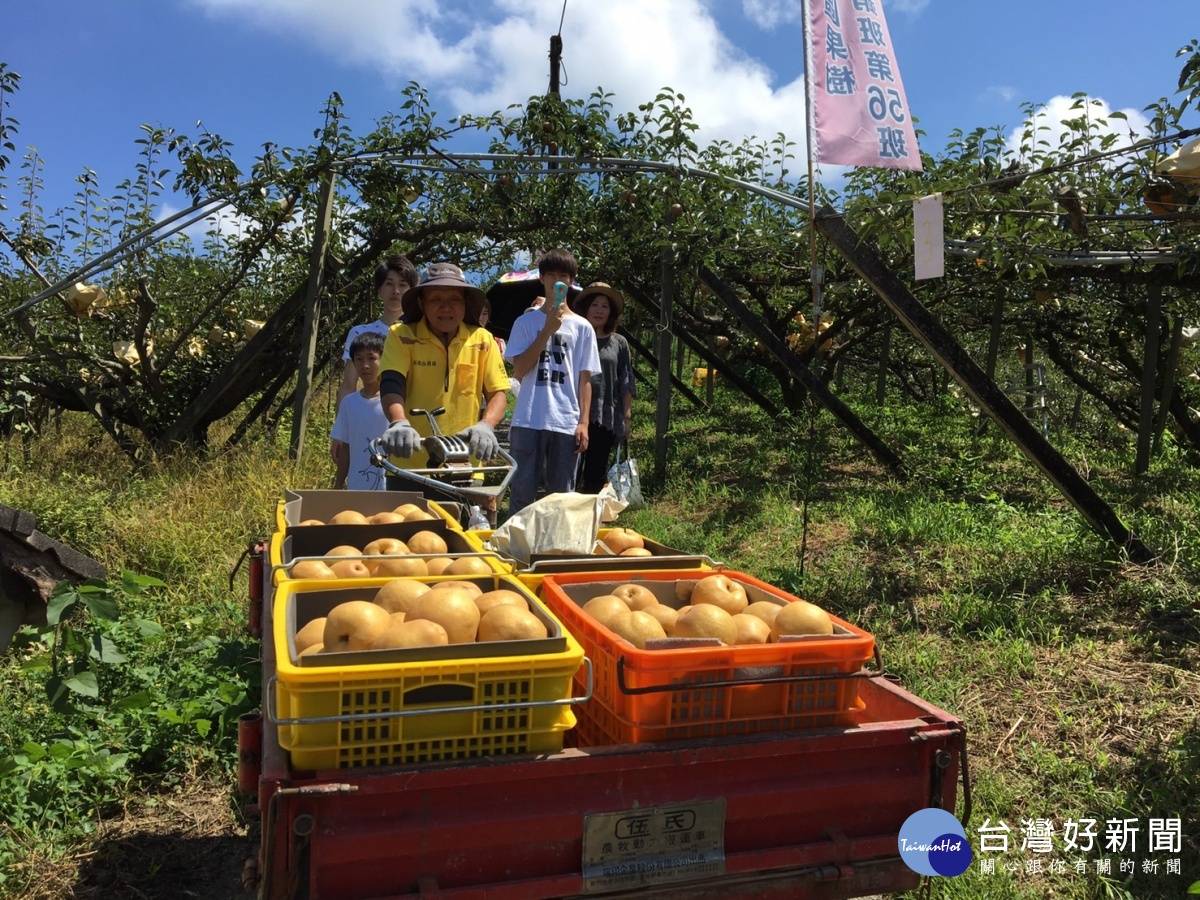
[{"x": 659, "y": 695}]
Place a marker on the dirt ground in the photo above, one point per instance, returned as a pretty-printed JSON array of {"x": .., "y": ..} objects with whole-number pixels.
[{"x": 191, "y": 844}]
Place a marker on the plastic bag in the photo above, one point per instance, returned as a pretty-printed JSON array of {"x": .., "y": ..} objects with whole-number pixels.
[
  {"x": 623, "y": 476},
  {"x": 558, "y": 524}
]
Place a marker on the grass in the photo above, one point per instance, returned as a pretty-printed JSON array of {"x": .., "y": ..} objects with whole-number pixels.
[{"x": 1074, "y": 671}]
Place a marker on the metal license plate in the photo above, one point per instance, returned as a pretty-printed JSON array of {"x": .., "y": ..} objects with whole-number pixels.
[{"x": 653, "y": 845}]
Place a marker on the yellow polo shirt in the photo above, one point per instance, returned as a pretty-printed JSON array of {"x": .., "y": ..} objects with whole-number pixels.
[{"x": 455, "y": 377}]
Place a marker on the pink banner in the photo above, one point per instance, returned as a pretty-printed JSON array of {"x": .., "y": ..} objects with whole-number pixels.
[{"x": 860, "y": 112}]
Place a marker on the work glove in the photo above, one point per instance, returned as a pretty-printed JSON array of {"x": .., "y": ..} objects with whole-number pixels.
[
  {"x": 400, "y": 439},
  {"x": 482, "y": 440}
]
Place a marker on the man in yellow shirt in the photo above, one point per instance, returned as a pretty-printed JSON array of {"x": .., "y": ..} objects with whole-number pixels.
[{"x": 438, "y": 355}]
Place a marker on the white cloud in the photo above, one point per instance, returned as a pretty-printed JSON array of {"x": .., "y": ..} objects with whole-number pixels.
[
  {"x": 399, "y": 36},
  {"x": 498, "y": 55},
  {"x": 770, "y": 14},
  {"x": 1006, "y": 93},
  {"x": 911, "y": 7},
  {"x": 1048, "y": 122}
]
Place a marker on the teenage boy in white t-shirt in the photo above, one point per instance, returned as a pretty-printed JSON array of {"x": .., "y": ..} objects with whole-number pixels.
[
  {"x": 554, "y": 353},
  {"x": 360, "y": 419}
]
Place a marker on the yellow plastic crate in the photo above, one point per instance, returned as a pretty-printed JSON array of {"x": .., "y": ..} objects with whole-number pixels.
[
  {"x": 321, "y": 504},
  {"x": 457, "y": 542},
  {"x": 333, "y": 714}
]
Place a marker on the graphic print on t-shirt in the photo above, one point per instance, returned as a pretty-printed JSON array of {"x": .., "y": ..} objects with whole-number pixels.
[
  {"x": 552, "y": 364},
  {"x": 366, "y": 478}
]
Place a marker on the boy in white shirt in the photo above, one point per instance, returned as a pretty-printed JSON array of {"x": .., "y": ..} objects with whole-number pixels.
[
  {"x": 393, "y": 277},
  {"x": 360, "y": 419},
  {"x": 554, "y": 353}
]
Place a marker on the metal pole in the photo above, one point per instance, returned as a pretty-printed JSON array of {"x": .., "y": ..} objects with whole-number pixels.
[
  {"x": 116, "y": 254},
  {"x": 885, "y": 360},
  {"x": 993, "y": 350},
  {"x": 555, "y": 67},
  {"x": 809, "y": 123},
  {"x": 555, "y": 61},
  {"x": 662, "y": 419},
  {"x": 1141, "y": 461},
  {"x": 312, "y": 307},
  {"x": 1170, "y": 373},
  {"x": 1077, "y": 409},
  {"x": 1029, "y": 381}
]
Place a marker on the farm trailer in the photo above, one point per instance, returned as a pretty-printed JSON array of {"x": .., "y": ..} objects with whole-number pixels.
[{"x": 813, "y": 813}]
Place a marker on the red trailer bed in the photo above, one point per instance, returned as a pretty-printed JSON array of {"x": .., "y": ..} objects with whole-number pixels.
[{"x": 811, "y": 813}]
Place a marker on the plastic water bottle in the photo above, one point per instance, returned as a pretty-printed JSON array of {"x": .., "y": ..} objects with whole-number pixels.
[
  {"x": 560, "y": 293},
  {"x": 477, "y": 520}
]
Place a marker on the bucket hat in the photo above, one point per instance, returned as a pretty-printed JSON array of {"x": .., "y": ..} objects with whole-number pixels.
[
  {"x": 615, "y": 300},
  {"x": 443, "y": 274}
]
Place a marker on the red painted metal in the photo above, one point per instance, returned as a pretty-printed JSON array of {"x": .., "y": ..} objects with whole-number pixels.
[
  {"x": 811, "y": 813},
  {"x": 250, "y": 736}
]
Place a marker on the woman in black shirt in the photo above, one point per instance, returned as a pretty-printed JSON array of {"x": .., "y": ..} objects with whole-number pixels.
[{"x": 612, "y": 386}]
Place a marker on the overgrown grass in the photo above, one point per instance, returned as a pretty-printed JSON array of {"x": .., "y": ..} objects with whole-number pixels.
[
  {"x": 166, "y": 717},
  {"x": 1075, "y": 672}
]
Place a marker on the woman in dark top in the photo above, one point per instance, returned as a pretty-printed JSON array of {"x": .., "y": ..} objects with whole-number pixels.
[{"x": 612, "y": 387}]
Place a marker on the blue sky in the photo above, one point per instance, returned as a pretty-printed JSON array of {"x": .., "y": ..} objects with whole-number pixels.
[{"x": 257, "y": 70}]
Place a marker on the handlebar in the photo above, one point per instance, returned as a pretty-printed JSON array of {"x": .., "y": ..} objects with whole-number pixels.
[{"x": 425, "y": 477}]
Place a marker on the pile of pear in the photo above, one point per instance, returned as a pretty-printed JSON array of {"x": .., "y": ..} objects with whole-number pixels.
[
  {"x": 405, "y": 512},
  {"x": 405, "y": 614},
  {"x": 712, "y": 607},
  {"x": 421, "y": 555}
]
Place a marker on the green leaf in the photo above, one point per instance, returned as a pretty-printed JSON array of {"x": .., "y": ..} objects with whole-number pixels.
[
  {"x": 33, "y": 751},
  {"x": 56, "y": 692},
  {"x": 102, "y": 606},
  {"x": 1195, "y": 888},
  {"x": 83, "y": 683},
  {"x": 203, "y": 727},
  {"x": 148, "y": 628},
  {"x": 138, "y": 583},
  {"x": 104, "y": 650},
  {"x": 60, "y": 602},
  {"x": 117, "y": 761},
  {"x": 61, "y": 749},
  {"x": 140, "y": 700},
  {"x": 72, "y": 641}
]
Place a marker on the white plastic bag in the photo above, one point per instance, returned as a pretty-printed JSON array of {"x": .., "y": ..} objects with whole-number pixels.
[
  {"x": 623, "y": 476},
  {"x": 558, "y": 524}
]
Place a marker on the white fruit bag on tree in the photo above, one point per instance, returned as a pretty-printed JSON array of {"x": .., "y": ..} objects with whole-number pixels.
[{"x": 558, "y": 524}]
